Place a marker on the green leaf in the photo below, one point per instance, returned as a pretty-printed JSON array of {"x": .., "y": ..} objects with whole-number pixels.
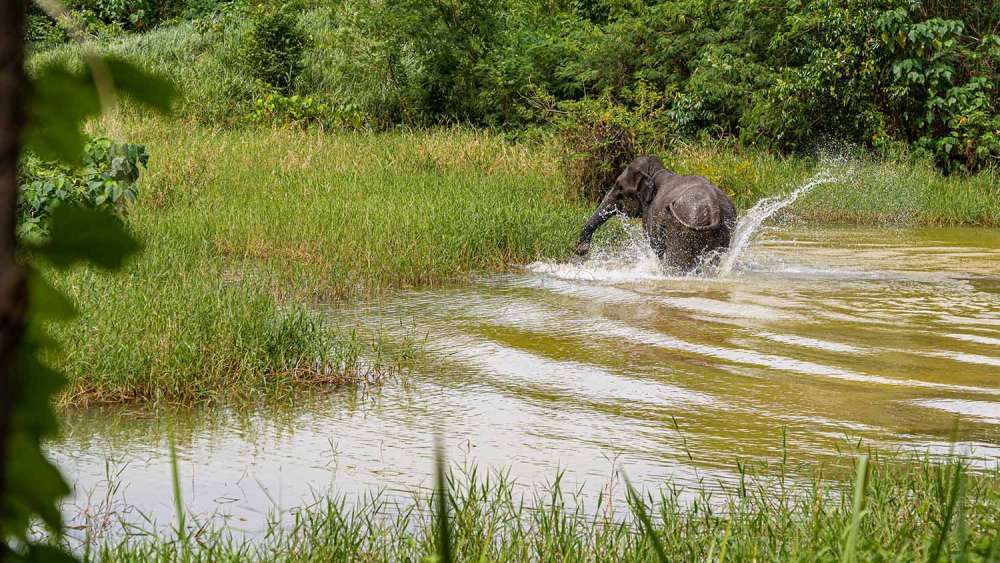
[
  {"x": 47, "y": 302},
  {"x": 60, "y": 101},
  {"x": 38, "y": 483},
  {"x": 48, "y": 554},
  {"x": 37, "y": 383},
  {"x": 35, "y": 484},
  {"x": 144, "y": 87},
  {"x": 87, "y": 235}
]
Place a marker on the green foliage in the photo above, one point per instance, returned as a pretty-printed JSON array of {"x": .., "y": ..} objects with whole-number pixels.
[
  {"x": 789, "y": 77},
  {"x": 301, "y": 110},
  {"x": 149, "y": 90},
  {"x": 58, "y": 135},
  {"x": 943, "y": 88},
  {"x": 433, "y": 62},
  {"x": 111, "y": 18},
  {"x": 274, "y": 47},
  {"x": 785, "y": 76},
  {"x": 40, "y": 31},
  {"x": 826, "y": 74},
  {"x": 108, "y": 179},
  {"x": 60, "y": 100},
  {"x": 601, "y": 142}
]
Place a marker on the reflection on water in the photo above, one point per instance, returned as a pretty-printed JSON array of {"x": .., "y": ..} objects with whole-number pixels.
[{"x": 824, "y": 335}]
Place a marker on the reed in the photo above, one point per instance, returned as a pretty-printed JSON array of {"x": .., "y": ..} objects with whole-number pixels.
[{"x": 891, "y": 509}]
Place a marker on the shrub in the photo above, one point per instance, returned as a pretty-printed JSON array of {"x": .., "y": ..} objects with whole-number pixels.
[
  {"x": 943, "y": 88},
  {"x": 421, "y": 62},
  {"x": 108, "y": 179},
  {"x": 276, "y": 109},
  {"x": 600, "y": 140},
  {"x": 40, "y": 31},
  {"x": 718, "y": 92},
  {"x": 274, "y": 47}
]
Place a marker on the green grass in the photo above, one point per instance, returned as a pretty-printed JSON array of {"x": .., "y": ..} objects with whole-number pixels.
[
  {"x": 868, "y": 191},
  {"x": 217, "y": 90},
  {"x": 886, "y": 509},
  {"x": 243, "y": 229}
]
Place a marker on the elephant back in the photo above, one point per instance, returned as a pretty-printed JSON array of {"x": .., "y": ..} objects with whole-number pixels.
[{"x": 697, "y": 204}]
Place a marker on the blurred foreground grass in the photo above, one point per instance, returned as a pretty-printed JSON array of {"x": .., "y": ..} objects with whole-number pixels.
[{"x": 883, "y": 509}]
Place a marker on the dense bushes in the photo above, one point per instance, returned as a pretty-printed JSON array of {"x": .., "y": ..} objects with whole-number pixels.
[
  {"x": 788, "y": 76},
  {"x": 104, "y": 18},
  {"x": 785, "y": 75},
  {"x": 274, "y": 47}
]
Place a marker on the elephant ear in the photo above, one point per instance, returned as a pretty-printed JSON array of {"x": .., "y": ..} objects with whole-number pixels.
[
  {"x": 697, "y": 209},
  {"x": 647, "y": 189}
]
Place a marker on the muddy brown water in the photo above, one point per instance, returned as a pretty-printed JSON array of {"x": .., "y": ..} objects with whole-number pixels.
[{"x": 822, "y": 337}]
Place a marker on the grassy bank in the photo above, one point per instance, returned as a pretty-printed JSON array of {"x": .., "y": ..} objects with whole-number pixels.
[
  {"x": 909, "y": 510},
  {"x": 866, "y": 191},
  {"x": 242, "y": 226}
]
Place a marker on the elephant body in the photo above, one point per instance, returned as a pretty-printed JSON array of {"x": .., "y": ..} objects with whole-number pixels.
[{"x": 684, "y": 217}]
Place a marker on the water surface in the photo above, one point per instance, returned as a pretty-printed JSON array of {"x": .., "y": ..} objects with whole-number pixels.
[{"x": 817, "y": 339}]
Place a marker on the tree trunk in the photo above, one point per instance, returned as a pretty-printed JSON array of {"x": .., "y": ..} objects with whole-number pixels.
[{"x": 13, "y": 295}]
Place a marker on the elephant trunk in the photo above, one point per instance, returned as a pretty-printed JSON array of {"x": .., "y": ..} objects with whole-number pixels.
[{"x": 607, "y": 208}]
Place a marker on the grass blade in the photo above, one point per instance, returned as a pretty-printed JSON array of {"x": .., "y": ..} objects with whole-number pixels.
[
  {"x": 725, "y": 541},
  {"x": 949, "y": 513},
  {"x": 860, "y": 486},
  {"x": 178, "y": 504},
  {"x": 647, "y": 525},
  {"x": 444, "y": 526}
]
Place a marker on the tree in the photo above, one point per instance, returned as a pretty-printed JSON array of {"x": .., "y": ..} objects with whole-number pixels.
[{"x": 13, "y": 297}]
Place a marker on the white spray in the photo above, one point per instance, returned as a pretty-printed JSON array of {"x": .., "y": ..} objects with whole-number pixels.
[
  {"x": 633, "y": 259},
  {"x": 749, "y": 225}
]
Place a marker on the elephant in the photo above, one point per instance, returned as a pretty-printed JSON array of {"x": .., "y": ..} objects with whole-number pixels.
[{"x": 684, "y": 217}]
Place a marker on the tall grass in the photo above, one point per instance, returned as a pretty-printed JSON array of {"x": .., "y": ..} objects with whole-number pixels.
[
  {"x": 870, "y": 191},
  {"x": 243, "y": 228},
  {"x": 894, "y": 509}
]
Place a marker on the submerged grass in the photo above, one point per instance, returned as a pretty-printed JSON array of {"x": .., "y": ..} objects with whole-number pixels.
[{"x": 892, "y": 509}]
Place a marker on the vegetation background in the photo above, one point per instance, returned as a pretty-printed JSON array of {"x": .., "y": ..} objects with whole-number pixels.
[
  {"x": 900, "y": 78},
  {"x": 496, "y": 121}
]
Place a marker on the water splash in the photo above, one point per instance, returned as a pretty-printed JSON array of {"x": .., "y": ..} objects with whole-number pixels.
[
  {"x": 750, "y": 224},
  {"x": 630, "y": 258}
]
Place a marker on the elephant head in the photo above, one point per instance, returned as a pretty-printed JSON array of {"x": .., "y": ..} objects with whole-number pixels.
[{"x": 633, "y": 191}]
